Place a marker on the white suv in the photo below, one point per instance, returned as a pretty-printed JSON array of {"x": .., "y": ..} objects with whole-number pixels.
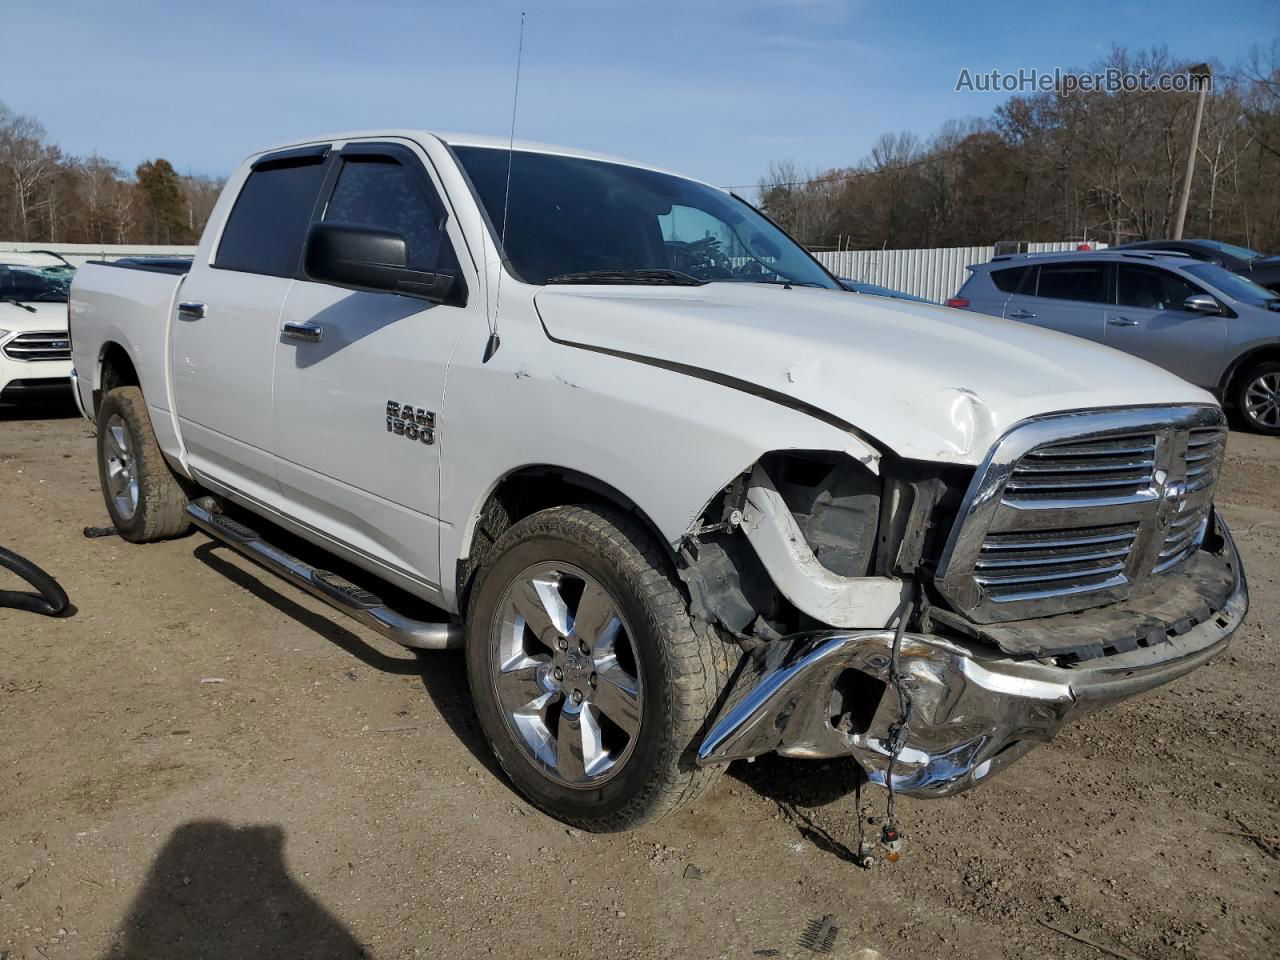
[{"x": 35, "y": 352}]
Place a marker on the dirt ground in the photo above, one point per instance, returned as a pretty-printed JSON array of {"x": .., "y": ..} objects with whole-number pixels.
[{"x": 206, "y": 763}]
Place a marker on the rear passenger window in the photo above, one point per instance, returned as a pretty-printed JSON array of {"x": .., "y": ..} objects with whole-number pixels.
[
  {"x": 378, "y": 192},
  {"x": 1152, "y": 288},
  {"x": 1009, "y": 279},
  {"x": 268, "y": 224},
  {"x": 1072, "y": 281}
]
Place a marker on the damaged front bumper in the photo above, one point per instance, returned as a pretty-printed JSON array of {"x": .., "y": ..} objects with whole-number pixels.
[{"x": 974, "y": 710}]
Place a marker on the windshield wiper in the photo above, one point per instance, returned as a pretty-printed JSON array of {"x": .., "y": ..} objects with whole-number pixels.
[
  {"x": 786, "y": 283},
  {"x": 19, "y": 303},
  {"x": 656, "y": 276}
]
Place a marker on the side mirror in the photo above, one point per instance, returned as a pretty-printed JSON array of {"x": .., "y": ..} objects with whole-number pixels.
[
  {"x": 364, "y": 258},
  {"x": 1202, "y": 303}
]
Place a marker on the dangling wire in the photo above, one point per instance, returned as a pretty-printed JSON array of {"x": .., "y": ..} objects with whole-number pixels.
[
  {"x": 890, "y": 837},
  {"x": 494, "y": 341}
]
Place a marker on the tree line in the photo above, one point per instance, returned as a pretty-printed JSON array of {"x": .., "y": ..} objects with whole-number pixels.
[
  {"x": 49, "y": 196},
  {"x": 1102, "y": 166}
]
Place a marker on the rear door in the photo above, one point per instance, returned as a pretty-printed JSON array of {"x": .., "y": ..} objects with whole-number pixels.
[
  {"x": 356, "y": 412},
  {"x": 224, "y": 338},
  {"x": 1068, "y": 296},
  {"x": 1148, "y": 321},
  {"x": 988, "y": 290}
]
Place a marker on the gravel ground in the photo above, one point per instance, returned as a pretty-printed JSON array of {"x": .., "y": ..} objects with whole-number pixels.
[{"x": 206, "y": 763}]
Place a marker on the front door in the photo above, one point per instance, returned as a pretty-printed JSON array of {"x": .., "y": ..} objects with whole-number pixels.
[
  {"x": 1148, "y": 321},
  {"x": 228, "y": 320},
  {"x": 356, "y": 410}
]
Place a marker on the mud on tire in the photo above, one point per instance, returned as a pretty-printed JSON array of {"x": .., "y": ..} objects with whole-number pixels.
[{"x": 145, "y": 499}]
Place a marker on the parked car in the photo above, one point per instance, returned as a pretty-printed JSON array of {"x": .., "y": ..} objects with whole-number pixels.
[
  {"x": 875, "y": 290},
  {"x": 681, "y": 498},
  {"x": 1215, "y": 328},
  {"x": 1258, "y": 267},
  {"x": 35, "y": 354}
]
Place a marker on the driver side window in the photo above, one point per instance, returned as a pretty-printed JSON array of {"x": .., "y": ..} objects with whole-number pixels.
[
  {"x": 696, "y": 242},
  {"x": 701, "y": 243},
  {"x": 375, "y": 191}
]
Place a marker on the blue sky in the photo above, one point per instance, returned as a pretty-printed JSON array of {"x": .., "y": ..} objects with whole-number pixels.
[{"x": 715, "y": 89}]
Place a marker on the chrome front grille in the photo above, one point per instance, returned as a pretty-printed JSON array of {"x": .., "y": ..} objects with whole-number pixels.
[
  {"x": 1186, "y": 527},
  {"x": 39, "y": 346},
  {"x": 1078, "y": 510},
  {"x": 1013, "y": 566},
  {"x": 1108, "y": 468}
]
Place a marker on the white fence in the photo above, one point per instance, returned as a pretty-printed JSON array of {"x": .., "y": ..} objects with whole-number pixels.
[
  {"x": 78, "y": 253},
  {"x": 934, "y": 274}
]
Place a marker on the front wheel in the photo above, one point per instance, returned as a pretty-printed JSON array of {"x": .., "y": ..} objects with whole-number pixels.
[
  {"x": 589, "y": 680},
  {"x": 1257, "y": 397}
]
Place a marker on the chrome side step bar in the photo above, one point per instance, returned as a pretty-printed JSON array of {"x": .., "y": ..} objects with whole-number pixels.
[{"x": 338, "y": 592}]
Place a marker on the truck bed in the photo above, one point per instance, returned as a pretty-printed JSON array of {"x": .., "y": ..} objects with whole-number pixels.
[{"x": 127, "y": 305}]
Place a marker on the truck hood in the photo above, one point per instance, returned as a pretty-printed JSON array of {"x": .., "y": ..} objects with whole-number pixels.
[
  {"x": 926, "y": 382},
  {"x": 49, "y": 317}
]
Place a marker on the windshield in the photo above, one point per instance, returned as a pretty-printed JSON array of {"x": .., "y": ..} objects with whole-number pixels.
[
  {"x": 34, "y": 284},
  {"x": 1231, "y": 250},
  {"x": 579, "y": 221},
  {"x": 1232, "y": 284}
]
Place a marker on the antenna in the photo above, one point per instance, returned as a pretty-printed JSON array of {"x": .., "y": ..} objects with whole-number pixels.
[{"x": 494, "y": 340}]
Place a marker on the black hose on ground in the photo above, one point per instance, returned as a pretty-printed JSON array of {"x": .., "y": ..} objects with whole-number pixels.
[{"x": 51, "y": 600}]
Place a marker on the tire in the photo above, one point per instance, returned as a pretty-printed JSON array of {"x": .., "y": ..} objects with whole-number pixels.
[
  {"x": 1256, "y": 397},
  {"x": 144, "y": 498},
  {"x": 649, "y": 683}
]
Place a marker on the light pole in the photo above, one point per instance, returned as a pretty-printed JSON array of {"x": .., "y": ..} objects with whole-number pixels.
[{"x": 1201, "y": 72}]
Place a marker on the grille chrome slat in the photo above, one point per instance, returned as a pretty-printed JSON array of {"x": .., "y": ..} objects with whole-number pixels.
[
  {"x": 1078, "y": 483},
  {"x": 1049, "y": 539},
  {"x": 39, "y": 346},
  {"x": 1084, "y": 573},
  {"x": 1093, "y": 450},
  {"x": 1076, "y": 467},
  {"x": 1048, "y": 560},
  {"x": 1074, "y": 511}
]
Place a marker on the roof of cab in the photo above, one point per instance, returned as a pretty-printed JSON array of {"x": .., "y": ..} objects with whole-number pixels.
[{"x": 454, "y": 139}]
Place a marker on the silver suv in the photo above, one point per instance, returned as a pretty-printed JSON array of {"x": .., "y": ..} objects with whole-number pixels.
[{"x": 1219, "y": 330}]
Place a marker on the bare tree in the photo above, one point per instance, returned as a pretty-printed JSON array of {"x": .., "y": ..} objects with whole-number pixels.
[{"x": 28, "y": 161}]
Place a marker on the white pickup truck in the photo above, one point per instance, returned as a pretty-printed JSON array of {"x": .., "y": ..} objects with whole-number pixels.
[{"x": 681, "y": 497}]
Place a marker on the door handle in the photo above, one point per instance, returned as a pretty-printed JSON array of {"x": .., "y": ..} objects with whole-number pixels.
[
  {"x": 1121, "y": 322},
  {"x": 190, "y": 310},
  {"x": 305, "y": 332},
  {"x": 1022, "y": 315}
]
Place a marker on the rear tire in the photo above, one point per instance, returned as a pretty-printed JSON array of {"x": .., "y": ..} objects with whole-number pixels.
[
  {"x": 145, "y": 499},
  {"x": 1256, "y": 397},
  {"x": 590, "y": 683}
]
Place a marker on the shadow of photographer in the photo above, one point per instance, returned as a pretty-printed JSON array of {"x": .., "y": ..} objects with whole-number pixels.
[{"x": 224, "y": 892}]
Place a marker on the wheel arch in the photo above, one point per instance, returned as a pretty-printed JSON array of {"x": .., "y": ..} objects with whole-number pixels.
[
  {"x": 526, "y": 490},
  {"x": 1257, "y": 354},
  {"x": 115, "y": 368}
]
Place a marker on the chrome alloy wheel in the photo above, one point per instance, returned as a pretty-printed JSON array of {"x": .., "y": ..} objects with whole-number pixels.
[
  {"x": 122, "y": 475},
  {"x": 1262, "y": 400},
  {"x": 566, "y": 674}
]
